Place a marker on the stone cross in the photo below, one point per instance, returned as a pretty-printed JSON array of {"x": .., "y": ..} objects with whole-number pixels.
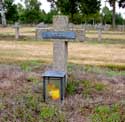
[
  {"x": 60, "y": 50},
  {"x": 61, "y": 35},
  {"x": 17, "y": 27},
  {"x": 99, "y": 28}
]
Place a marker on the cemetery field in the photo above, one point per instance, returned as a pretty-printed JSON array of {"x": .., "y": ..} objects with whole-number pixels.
[
  {"x": 110, "y": 35},
  {"x": 90, "y": 34},
  {"x": 106, "y": 55},
  {"x": 96, "y": 80}
]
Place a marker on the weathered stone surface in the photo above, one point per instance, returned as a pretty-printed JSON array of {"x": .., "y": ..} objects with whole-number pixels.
[
  {"x": 17, "y": 32},
  {"x": 60, "y": 49},
  {"x": 80, "y": 35},
  {"x": 39, "y": 32},
  {"x": 41, "y": 25},
  {"x": 60, "y": 24}
]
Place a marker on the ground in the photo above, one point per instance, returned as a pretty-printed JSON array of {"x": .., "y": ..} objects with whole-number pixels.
[{"x": 96, "y": 80}]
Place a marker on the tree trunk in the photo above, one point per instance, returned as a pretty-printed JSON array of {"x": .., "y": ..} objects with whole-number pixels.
[{"x": 113, "y": 15}]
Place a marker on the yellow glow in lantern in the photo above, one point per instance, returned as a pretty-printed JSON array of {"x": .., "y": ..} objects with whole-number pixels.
[
  {"x": 53, "y": 91},
  {"x": 55, "y": 94}
]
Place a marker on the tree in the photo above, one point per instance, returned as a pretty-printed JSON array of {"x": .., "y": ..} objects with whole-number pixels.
[
  {"x": 122, "y": 3},
  {"x": 32, "y": 11},
  {"x": 87, "y": 7},
  {"x": 81, "y": 7},
  {"x": 66, "y": 7},
  {"x": 12, "y": 13},
  {"x": 21, "y": 12},
  {"x": 106, "y": 15},
  {"x": 119, "y": 19},
  {"x": 48, "y": 18},
  {"x": 113, "y": 4}
]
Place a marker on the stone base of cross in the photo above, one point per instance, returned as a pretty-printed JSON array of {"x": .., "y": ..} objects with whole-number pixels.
[{"x": 61, "y": 35}]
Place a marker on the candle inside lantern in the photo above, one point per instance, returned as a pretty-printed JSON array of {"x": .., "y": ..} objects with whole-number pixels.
[{"x": 53, "y": 92}]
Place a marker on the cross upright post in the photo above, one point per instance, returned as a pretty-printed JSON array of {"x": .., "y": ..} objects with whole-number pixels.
[{"x": 60, "y": 48}]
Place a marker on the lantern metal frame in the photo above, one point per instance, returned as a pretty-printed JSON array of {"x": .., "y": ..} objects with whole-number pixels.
[{"x": 56, "y": 75}]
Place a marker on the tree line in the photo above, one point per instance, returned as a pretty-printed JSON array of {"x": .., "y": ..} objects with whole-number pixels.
[{"x": 79, "y": 11}]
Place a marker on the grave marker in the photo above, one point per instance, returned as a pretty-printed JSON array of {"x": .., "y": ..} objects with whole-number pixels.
[
  {"x": 61, "y": 34},
  {"x": 99, "y": 28},
  {"x": 17, "y": 27}
]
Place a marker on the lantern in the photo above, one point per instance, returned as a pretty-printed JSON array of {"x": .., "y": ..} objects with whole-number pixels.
[{"x": 54, "y": 83}]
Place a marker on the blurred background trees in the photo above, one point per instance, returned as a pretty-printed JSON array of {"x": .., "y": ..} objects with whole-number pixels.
[{"x": 79, "y": 11}]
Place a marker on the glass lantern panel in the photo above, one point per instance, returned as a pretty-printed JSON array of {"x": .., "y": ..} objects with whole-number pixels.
[{"x": 53, "y": 89}]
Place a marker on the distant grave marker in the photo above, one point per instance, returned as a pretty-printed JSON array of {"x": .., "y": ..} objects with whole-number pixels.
[
  {"x": 17, "y": 27},
  {"x": 99, "y": 28}
]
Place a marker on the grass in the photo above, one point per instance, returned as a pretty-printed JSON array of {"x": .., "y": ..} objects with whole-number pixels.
[
  {"x": 107, "y": 113},
  {"x": 89, "y": 54},
  {"x": 71, "y": 87},
  {"x": 29, "y": 65},
  {"x": 89, "y": 87},
  {"x": 108, "y": 53},
  {"x": 30, "y": 108},
  {"x": 108, "y": 71},
  {"x": 25, "y": 105}
]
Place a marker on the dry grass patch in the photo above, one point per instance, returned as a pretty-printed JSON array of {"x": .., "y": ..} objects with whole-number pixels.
[
  {"x": 98, "y": 54},
  {"x": 80, "y": 53},
  {"x": 24, "y": 31}
]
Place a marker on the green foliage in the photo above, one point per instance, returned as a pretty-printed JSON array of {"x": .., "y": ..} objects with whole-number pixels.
[
  {"x": 32, "y": 11},
  {"x": 30, "y": 65},
  {"x": 90, "y": 87},
  {"x": 119, "y": 19},
  {"x": 21, "y": 11},
  {"x": 50, "y": 113},
  {"x": 30, "y": 108},
  {"x": 76, "y": 8},
  {"x": 47, "y": 112},
  {"x": 25, "y": 67},
  {"x": 107, "y": 114},
  {"x": 71, "y": 87},
  {"x": 48, "y": 18},
  {"x": 107, "y": 17},
  {"x": 110, "y": 70},
  {"x": 33, "y": 79},
  {"x": 87, "y": 88},
  {"x": 99, "y": 86},
  {"x": 12, "y": 13},
  {"x": 89, "y": 6},
  {"x": 2, "y": 106}
]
